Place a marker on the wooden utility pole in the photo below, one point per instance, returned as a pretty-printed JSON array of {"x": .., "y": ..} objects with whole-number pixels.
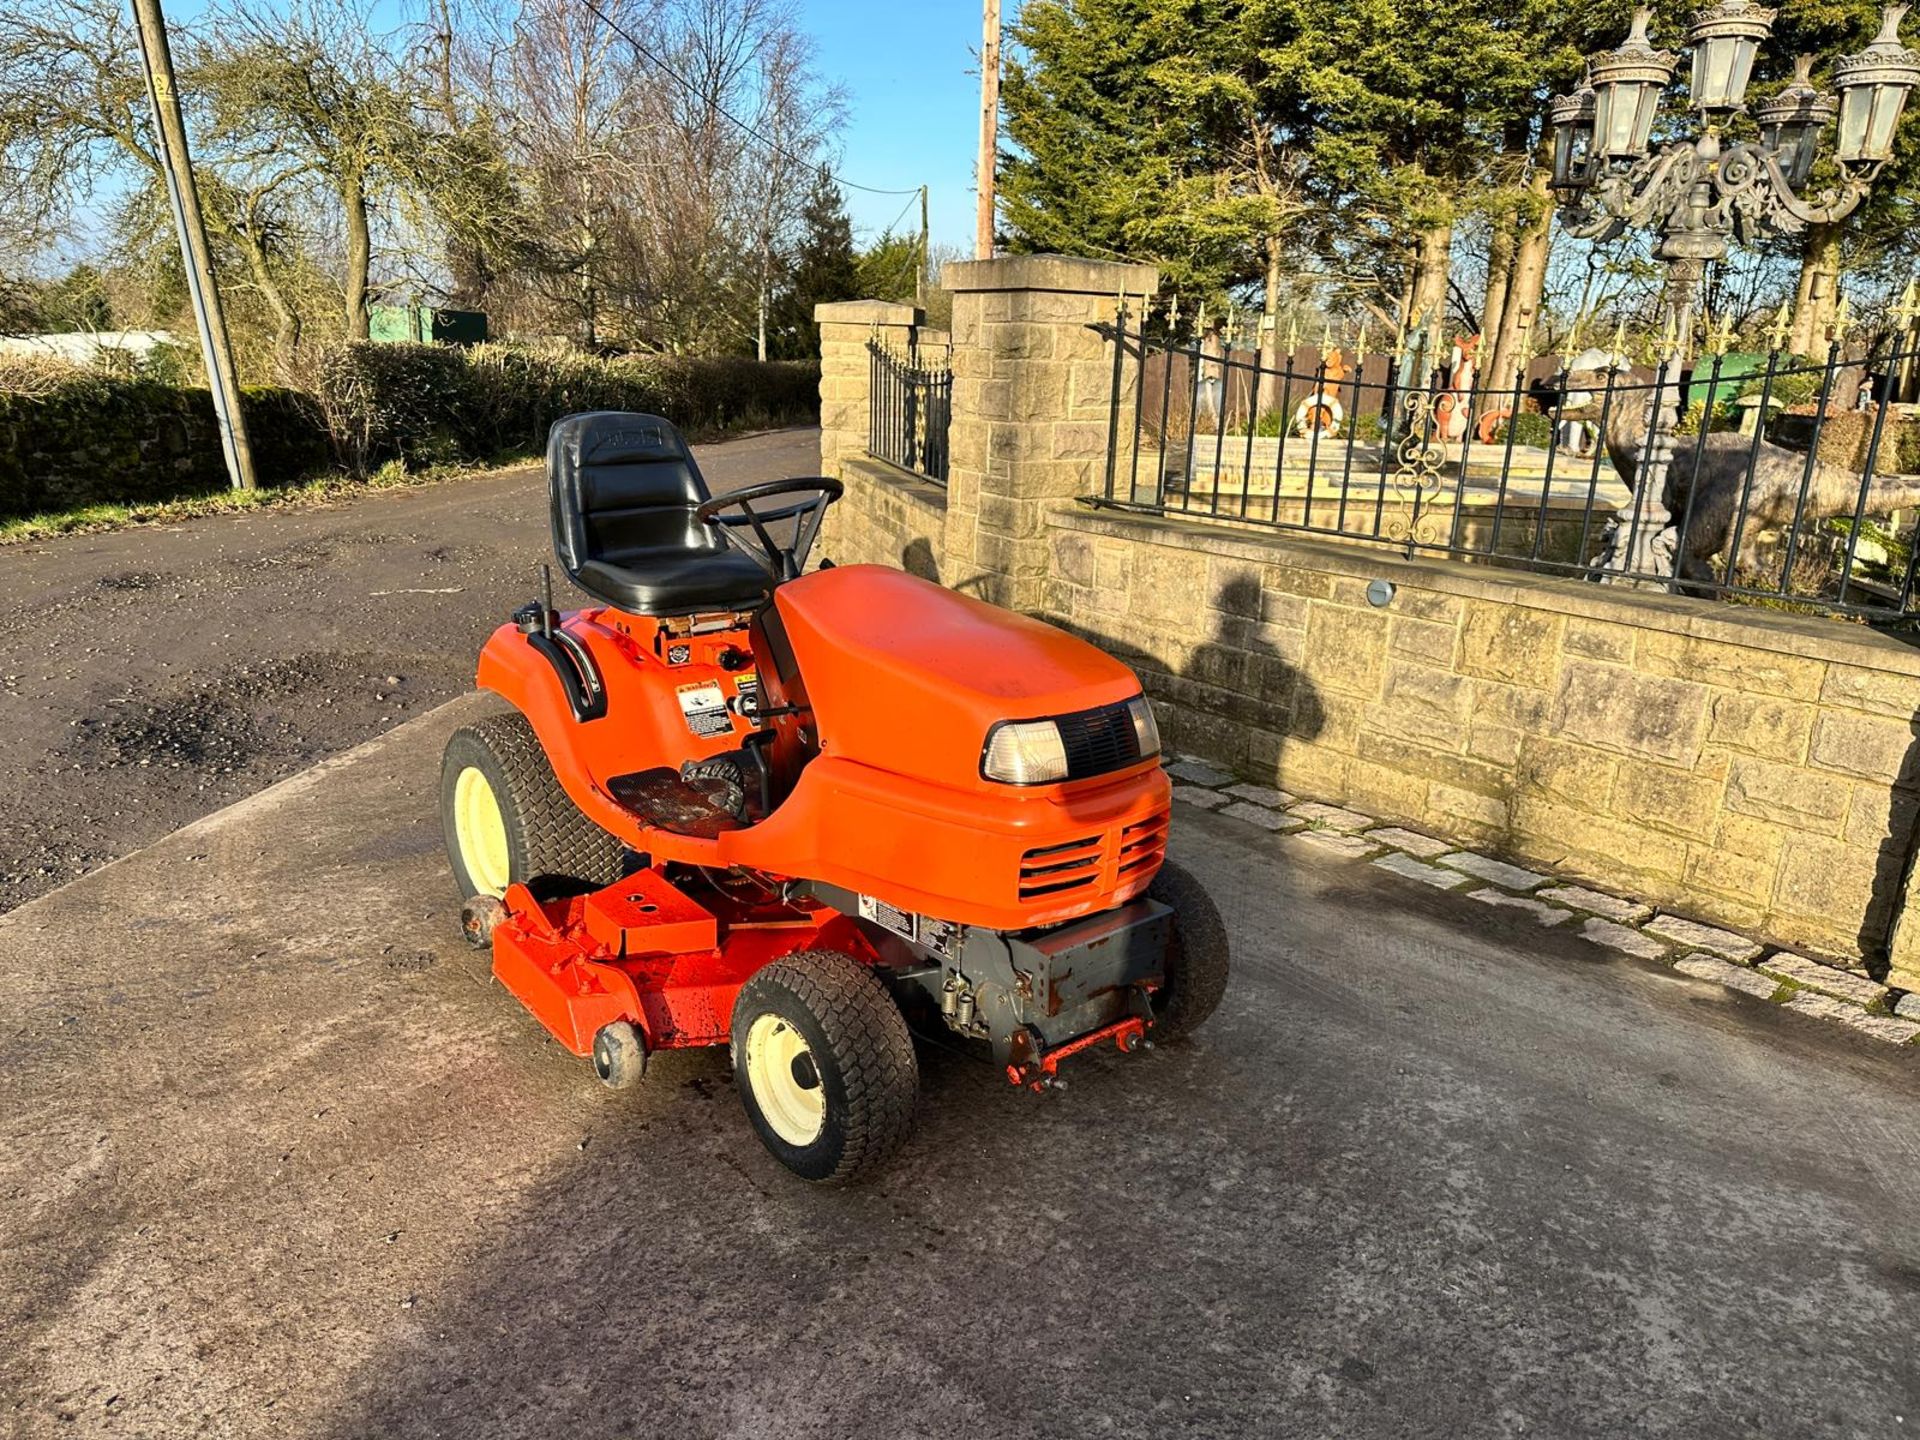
[
  {"x": 920, "y": 281},
  {"x": 194, "y": 250},
  {"x": 989, "y": 129}
]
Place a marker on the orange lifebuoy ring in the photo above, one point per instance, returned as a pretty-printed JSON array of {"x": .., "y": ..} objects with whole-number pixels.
[
  {"x": 1490, "y": 424},
  {"x": 1319, "y": 411}
]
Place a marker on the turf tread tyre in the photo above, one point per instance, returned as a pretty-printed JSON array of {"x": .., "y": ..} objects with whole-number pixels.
[
  {"x": 547, "y": 836},
  {"x": 868, "y": 1045},
  {"x": 1197, "y": 955}
]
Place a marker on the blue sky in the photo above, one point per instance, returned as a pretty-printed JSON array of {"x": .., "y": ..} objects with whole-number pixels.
[{"x": 910, "y": 69}]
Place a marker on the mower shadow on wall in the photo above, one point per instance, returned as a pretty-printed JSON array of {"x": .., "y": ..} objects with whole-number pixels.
[{"x": 1233, "y": 682}]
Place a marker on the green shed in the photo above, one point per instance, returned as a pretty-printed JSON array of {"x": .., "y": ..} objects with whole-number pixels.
[{"x": 423, "y": 324}]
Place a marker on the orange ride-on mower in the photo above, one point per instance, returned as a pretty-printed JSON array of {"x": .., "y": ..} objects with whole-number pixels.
[{"x": 738, "y": 803}]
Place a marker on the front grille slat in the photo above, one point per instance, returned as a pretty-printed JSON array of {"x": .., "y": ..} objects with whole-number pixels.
[
  {"x": 1083, "y": 864},
  {"x": 1099, "y": 740}
]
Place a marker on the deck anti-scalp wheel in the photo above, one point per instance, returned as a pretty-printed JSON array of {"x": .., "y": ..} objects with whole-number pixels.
[
  {"x": 506, "y": 818},
  {"x": 619, "y": 1055},
  {"x": 1196, "y": 955},
  {"x": 824, "y": 1065}
]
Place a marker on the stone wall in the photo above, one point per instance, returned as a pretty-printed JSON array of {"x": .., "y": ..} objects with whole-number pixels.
[
  {"x": 1031, "y": 386},
  {"x": 1734, "y": 763},
  {"x": 1745, "y": 766}
]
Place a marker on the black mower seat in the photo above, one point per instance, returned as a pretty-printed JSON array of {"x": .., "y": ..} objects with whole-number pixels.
[{"x": 623, "y": 488}]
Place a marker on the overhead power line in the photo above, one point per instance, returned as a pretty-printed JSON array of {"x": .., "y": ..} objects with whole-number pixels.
[{"x": 774, "y": 145}]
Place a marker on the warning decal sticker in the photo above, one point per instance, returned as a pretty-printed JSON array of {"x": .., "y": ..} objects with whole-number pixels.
[
  {"x": 901, "y": 922},
  {"x": 705, "y": 709}
]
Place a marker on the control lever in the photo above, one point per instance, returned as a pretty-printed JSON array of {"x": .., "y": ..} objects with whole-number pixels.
[{"x": 749, "y": 708}]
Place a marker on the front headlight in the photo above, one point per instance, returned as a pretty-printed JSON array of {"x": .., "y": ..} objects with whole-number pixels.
[
  {"x": 1077, "y": 746},
  {"x": 1024, "y": 752},
  {"x": 1144, "y": 728}
]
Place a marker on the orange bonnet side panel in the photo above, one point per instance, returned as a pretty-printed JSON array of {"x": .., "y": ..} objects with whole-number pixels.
[{"x": 907, "y": 676}]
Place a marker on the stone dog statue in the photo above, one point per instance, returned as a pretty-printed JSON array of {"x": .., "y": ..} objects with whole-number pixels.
[{"x": 1709, "y": 475}]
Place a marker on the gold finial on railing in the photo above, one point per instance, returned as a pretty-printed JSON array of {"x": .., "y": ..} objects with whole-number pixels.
[
  {"x": 1326, "y": 336},
  {"x": 1781, "y": 330},
  {"x": 1669, "y": 339},
  {"x": 1360, "y": 345},
  {"x": 1173, "y": 311},
  {"x": 1719, "y": 337},
  {"x": 1293, "y": 334},
  {"x": 1617, "y": 349},
  {"x": 1908, "y": 310},
  {"x": 1570, "y": 343},
  {"x": 1842, "y": 322}
]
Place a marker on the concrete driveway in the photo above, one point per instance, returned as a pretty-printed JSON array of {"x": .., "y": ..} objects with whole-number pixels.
[{"x": 280, "y": 1160}]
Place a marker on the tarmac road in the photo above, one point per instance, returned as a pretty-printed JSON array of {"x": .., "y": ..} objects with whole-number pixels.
[
  {"x": 151, "y": 675},
  {"x": 277, "y": 1159}
]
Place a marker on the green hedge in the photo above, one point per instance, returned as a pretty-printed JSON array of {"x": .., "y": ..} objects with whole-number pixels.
[
  {"x": 426, "y": 404},
  {"x": 99, "y": 439}
]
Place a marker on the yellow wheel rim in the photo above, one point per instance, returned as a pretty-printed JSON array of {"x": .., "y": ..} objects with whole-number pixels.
[
  {"x": 785, "y": 1081},
  {"x": 481, "y": 833}
]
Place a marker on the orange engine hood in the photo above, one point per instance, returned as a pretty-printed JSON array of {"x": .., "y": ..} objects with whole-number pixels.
[{"x": 905, "y": 675}]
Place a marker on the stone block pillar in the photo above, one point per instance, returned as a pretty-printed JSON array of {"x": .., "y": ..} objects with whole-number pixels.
[
  {"x": 1031, "y": 390},
  {"x": 845, "y": 369}
]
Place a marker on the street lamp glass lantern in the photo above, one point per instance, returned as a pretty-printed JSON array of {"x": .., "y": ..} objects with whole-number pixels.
[
  {"x": 1626, "y": 93},
  {"x": 1725, "y": 40},
  {"x": 1791, "y": 122},
  {"x": 1572, "y": 119},
  {"x": 1873, "y": 89}
]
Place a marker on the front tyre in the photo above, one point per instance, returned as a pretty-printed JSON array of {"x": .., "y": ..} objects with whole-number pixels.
[
  {"x": 824, "y": 1065},
  {"x": 507, "y": 821},
  {"x": 1196, "y": 973}
]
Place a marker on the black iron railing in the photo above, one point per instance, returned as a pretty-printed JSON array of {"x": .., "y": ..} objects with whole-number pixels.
[
  {"x": 912, "y": 405},
  {"x": 1784, "y": 480}
]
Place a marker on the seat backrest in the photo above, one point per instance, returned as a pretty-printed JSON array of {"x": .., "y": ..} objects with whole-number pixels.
[{"x": 622, "y": 484}]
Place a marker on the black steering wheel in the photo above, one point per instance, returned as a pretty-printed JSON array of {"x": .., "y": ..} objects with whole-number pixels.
[{"x": 781, "y": 562}]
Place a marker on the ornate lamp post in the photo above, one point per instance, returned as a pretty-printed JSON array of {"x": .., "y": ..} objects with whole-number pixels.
[{"x": 1699, "y": 193}]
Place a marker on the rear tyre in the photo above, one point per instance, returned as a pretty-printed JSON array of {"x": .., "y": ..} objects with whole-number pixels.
[
  {"x": 824, "y": 1065},
  {"x": 1196, "y": 975},
  {"x": 506, "y": 819}
]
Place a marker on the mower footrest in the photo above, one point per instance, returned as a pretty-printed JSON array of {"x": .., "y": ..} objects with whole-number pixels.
[{"x": 661, "y": 800}]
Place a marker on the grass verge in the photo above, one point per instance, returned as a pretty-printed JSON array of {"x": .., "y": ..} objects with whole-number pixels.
[{"x": 304, "y": 494}]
